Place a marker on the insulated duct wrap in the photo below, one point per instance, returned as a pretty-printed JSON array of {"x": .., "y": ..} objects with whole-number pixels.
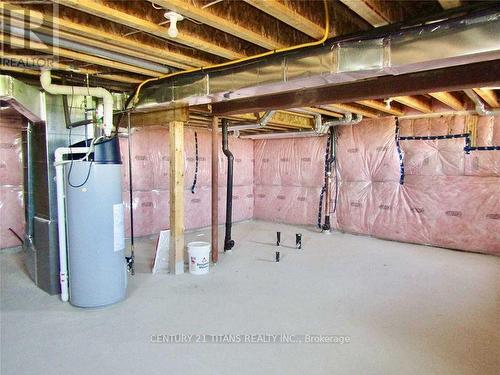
[{"x": 340, "y": 60}]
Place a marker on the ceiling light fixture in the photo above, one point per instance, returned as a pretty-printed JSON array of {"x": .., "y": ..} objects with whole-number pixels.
[{"x": 173, "y": 17}]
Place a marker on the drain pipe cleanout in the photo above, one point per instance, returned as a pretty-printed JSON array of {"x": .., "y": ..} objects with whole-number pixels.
[
  {"x": 479, "y": 105},
  {"x": 99, "y": 92},
  {"x": 228, "y": 242}
]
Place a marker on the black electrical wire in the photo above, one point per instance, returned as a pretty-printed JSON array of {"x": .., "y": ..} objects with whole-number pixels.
[
  {"x": 400, "y": 154},
  {"x": 334, "y": 166},
  {"x": 195, "y": 163},
  {"x": 86, "y": 178},
  {"x": 71, "y": 153}
]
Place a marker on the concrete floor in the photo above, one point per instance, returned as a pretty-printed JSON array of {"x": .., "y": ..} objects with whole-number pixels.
[{"x": 407, "y": 309}]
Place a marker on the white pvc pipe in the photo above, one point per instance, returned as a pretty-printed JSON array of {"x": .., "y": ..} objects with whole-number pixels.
[
  {"x": 61, "y": 215},
  {"x": 99, "y": 92},
  {"x": 320, "y": 128}
]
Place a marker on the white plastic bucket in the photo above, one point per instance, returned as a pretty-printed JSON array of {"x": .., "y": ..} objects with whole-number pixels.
[{"x": 199, "y": 257}]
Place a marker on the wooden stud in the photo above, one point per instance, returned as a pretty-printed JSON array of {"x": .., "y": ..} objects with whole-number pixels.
[
  {"x": 449, "y": 99},
  {"x": 98, "y": 9},
  {"x": 471, "y": 128},
  {"x": 353, "y": 109},
  {"x": 489, "y": 96},
  {"x": 381, "y": 106},
  {"x": 414, "y": 103},
  {"x": 176, "y": 255},
  {"x": 289, "y": 16},
  {"x": 215, "y": 190}
]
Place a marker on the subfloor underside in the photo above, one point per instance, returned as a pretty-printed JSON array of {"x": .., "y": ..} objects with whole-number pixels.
[{"x": 406, "y": 309}]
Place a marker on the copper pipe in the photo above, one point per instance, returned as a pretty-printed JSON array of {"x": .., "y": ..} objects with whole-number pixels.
[{"x": 215, "y": 189}]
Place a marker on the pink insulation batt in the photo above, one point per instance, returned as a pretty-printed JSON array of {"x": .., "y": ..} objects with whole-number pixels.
[
  {"x": 449, "y": 198},
  {"x": 11, "y": 190},
  {"x": 150, "y": 179}
]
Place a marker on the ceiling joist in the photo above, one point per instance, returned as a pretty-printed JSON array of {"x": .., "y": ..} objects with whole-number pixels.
[
  {"x": 381, "y": 107},
  {"x": 230, "y": 25},
  {"x": 20, "y": 59},
  {"x": 98, "y": 9},
  {"x": 22, "y": 43},
  {"x": 489, "y": 96},
  {"x": 449, "y": 4},
  {"x": 112, "y": 40},
  {"x": 289, "y": 16},
  {"x": 415, "y": 103},
  {"x": 367, "y": 11},
  {"x": 351, "y": 108},
  {"x": 449, "y": 99}
]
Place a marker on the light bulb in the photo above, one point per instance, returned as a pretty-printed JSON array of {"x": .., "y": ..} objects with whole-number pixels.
[{"x": 173, "y": 17}]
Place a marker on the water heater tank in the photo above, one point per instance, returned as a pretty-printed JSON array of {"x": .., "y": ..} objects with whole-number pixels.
[{"x": 95, "y": 227}]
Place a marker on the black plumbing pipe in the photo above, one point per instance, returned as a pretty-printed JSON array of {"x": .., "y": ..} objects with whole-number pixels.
[
  {"x": 328, "y": 179},
  {"x": 228, "y": 242}
]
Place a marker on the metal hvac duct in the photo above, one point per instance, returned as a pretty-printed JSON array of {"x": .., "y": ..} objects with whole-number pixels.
[{"x": 470, "y": 39}]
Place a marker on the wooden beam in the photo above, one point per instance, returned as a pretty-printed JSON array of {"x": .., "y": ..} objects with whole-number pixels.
[
  {"x": 367, "y": 11},
  {"x": 489, "y": 96},
  {"x": 381, "y": 106},
  {"x": 176, "y": 255},
  {"x": 414, "y": 103},
  {"x": 230, "y": 26},
  {"x": 142, "y": 119},
  {"x": 353, "y": 109},
  {"x": 449, "y": 4},
  {"x": 289, "y": 16},
  {"x": 55, "y": 65},
  {"x": 281, "y": 118},
  {"x": 449, "y": 99},
  {"x": 483, "y": 74},
  {"x": 112, "y": 40},
  {"x": 96, "y": 8},
  {"x": 215, "y": 190},
  {"x": 36, "y": 46}
]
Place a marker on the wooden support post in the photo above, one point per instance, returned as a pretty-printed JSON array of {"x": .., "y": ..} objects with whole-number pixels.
[
  {"x": 215, "y": 190},
  {"x": 176, "y": 256}
]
